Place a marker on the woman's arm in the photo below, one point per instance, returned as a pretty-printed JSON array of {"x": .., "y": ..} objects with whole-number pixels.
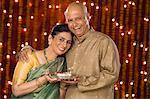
[
  {"x": 28, "y": 87},
  {"x": 20, "y": 85}
]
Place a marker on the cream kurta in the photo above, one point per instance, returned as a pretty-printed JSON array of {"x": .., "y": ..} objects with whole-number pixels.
[{"x": 95, "y": 59}]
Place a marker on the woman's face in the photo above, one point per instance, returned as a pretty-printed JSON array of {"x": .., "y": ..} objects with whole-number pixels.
[{"x": 61, "y": 43}]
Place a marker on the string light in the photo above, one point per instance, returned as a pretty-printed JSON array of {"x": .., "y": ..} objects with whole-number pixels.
[
  {"x": 90, "y": 17},
  {"x": 133, "y": 95},
  {"x": 9, "y": 82},
  {"x": 142, "y": 72},
  {"x": 117, "y": 24},
  {"x": 4, "y": 11},
  {"x": 0, "y": 64},
  {"x": 125, "y": 6},
  {"x": 145, "y": 73},
  {"x": 16, "y": 1},
  {"x": 133, "y": 3},
  {"x": 10, "y": 16},
  {"x": 30, "y": 4},
  {"x": 32, "y": 17},
  {"x": 92, "y": 4},
  {"x": 122, "y": 34},
  {"x": 97, "y": 7},
  {"x": 5, "y": 96},
  {"x": 1, "y": 44},
  {"x": 130, "y": 2},
  {"x": 57, "y": 23},
  {"x": 116, "y": 88},
  {"x": 129, "y": 33},
  {"x": 49, "y": 6},
  {"x": 106, "y": 9},
  {"x": 131, "y": 83},
  {"x": 129, "y": 55},
  {"x": 35, "y": 39},
  {"x": 127, "y": 61},
  {"x": 57, "y": 6},
  {"x": 146, "y": 49},
  {"x": 134, "y": 43},
  {"x": 20, "y": 18},
  {"x": 22, "y": 45},
  {"x": 24, "y": 29},
  {"x": 145, "y": 80},
  {"x": 84, "y": 3},
  {"x": 127, "y": 95},
  {"x": 8, "y": 56},
  {"x": 45, "y": 33},
  {"x": 141, "y": 45},
  {"x": 14, "y": 52},
  {"x": 146, "y": 19},
  {"x": 8, "y": 24},
  {"x": 121, "y": 82},
  {"x": 121, "y": 27},
  {"x": 144, "y": 63},
  {"x": 2, "y": 69},
  {"x": 42, "y": 14},
  {"x": 4, "y": 91},
  {"x": 77, "y": 1},
  {"x": 113, "y": 19}
]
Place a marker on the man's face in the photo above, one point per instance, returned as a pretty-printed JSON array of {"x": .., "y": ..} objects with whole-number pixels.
[{"x": 77, "y": 20}]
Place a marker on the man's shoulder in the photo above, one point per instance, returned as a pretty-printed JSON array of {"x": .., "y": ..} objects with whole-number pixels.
[{"x": 100, "y": 35}]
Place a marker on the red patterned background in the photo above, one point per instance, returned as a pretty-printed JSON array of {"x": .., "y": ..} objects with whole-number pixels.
[{"x": 127, "y": 22}]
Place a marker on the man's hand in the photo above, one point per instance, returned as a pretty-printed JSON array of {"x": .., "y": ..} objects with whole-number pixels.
[
  {"x": 72, "y": 81},
  {"x": 22, "y": 55}
]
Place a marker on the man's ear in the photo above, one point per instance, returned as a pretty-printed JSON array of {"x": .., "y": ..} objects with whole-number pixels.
[
  {"x": 50, "y": 38},
  {"x": 66, "y": 22}
]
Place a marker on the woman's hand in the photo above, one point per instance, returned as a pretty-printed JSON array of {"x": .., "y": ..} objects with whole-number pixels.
[{"x": 51, "y": 78}]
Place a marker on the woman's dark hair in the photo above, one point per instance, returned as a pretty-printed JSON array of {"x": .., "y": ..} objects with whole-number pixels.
[{"x": 60, "y": 28}]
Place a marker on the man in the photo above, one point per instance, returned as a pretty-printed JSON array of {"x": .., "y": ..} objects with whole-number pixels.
[{"x": 93, "y": 58}]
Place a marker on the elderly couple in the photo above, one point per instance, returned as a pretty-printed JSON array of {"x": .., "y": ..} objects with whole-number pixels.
[{"x": 92, "y": 56}]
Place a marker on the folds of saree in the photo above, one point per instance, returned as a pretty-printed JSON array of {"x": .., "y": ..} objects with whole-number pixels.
[{"x": 49, "y": 90}]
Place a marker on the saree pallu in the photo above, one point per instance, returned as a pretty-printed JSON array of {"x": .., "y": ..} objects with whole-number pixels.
[{"x": 48, "y": 90}]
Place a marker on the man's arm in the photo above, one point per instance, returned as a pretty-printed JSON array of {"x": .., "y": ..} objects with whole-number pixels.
[
  {"x": 22, "y": 55},
  {"x": 62, "y": 93},
  {"x": 110, "y": 64}
]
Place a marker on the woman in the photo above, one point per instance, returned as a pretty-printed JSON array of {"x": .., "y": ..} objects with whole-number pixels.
[{"x": 31, "y": 79}]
